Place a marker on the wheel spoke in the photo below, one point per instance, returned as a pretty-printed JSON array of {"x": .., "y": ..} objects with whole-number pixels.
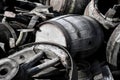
[
  {"x": 34, "y": 59},
  {"x": 39, "y": 68}
]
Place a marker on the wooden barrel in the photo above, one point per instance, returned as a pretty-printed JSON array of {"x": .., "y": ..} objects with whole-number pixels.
[
  {"x": 68, "y": 6},
  {"x": 103, "y": 11},
  {"x": 79, "y": 34},
  {"x": 113, "y": 48}
]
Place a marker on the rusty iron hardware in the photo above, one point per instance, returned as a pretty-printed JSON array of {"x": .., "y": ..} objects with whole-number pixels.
[
  {"x": 14, "y": 40},
  {"x": 8, "y": 69},
  {"x": 113, "y": 11},
  {"x": 101, "y": 71},
  {"x": 41, "y": 11},
  {"x": 23, "y": 33},
  {"x": 105, "y": 74}
]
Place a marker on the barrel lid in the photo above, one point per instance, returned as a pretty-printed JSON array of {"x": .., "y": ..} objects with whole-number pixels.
[{"x": 52, "y": 33}]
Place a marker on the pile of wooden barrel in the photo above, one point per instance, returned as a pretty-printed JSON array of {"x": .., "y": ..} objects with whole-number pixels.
[{"x": 59, "y": 40}]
